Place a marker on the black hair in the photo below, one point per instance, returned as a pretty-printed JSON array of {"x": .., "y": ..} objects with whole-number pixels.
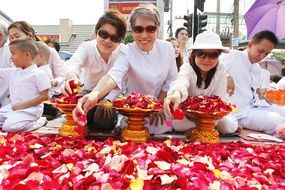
[
  {"x": 178, "y": 30},
  {"x": 55, "y": 44},
  {"x": 265, "y": 34},
  {"x": 115, "y": 19},
  {"x": 196, "y": 69}
]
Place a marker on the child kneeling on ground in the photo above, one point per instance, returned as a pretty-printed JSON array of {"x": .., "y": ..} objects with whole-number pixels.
[{"x": 28, "y": 87}]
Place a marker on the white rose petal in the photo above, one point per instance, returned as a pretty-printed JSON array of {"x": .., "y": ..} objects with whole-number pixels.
[{"x": 165, "y": 179}]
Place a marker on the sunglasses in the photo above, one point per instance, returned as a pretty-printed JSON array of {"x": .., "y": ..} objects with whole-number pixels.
[
  {"x": 105, "y": 35},
  {"x": 210, "y": 55},
  {"x": 148, "y": 29}
]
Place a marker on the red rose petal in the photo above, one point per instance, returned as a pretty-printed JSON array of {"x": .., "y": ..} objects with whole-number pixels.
[{"x": 178, "y": 114}]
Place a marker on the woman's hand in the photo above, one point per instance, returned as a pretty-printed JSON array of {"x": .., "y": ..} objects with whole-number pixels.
[
  {"x": 84, "y": 104},
  {"x": 172, "y": 100},
  {"x": 69, "y": 85},
  {"x": 157, "y": 117}
]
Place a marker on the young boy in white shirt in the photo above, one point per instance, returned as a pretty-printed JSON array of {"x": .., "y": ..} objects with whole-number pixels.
[
  {"x": 28, "y": 87},
  {"x": 41, "y": 60}
]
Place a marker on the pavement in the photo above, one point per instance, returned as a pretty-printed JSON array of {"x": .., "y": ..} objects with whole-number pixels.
[{"x": 247, "y": 136}]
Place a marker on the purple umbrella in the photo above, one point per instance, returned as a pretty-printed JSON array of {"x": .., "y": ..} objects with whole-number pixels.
[
  {"x": 266, "y": 15},
  {"x": 274, "y": 66}
]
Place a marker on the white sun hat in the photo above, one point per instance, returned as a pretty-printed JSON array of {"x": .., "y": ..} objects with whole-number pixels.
[{"x": 209, "y": 40}]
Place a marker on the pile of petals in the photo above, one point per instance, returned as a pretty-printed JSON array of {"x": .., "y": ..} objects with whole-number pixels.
[
  {"x": 276, "y": 96},
  {"x": 138, "y": 101},
  {"x": 71, "y": 98},
  {"x": 54, "y": 162},
  {"x": 208, "y": 104}
]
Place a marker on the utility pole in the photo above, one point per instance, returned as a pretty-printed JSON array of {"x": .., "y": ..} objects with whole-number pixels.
[
  {"x": 171, "y": 19},
  {"x": 236, "y": 18},
  {"x": 218, "y": 17},
  {"x": 195, "y": 21}
]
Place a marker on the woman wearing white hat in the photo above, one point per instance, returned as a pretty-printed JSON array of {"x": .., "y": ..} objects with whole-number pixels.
[{"x": 204, "y": 76}]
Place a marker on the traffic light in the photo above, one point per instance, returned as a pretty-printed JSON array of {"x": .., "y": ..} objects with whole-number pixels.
[
  {"x": 200, "y": 4},
  {"x": 188, "y": 23},
  {"x": 202, "y": 22}
]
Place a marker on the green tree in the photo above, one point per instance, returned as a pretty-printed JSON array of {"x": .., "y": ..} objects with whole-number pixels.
[
  {"x": 129, "y": 38},
  {"x": 280, "y": 55}
]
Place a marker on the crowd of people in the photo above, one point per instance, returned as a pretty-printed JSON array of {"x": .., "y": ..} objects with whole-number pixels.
[{"x": 31, "y": 72}]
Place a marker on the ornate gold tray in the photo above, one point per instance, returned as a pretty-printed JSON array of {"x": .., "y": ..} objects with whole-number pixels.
[
  {"x": 135, "y": 130},
  {"x": 276, "y": 97},
  {"x": 205, "y": 126},
  {"x": 68, "y": 127}
]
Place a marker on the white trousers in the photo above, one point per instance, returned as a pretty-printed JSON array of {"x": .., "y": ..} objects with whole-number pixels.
[
  {"x": 4, "y": 94},
  {"x": 153, "y": 130},
  {"x": 264, "y": 118},
  {"x": 20, "y": 120},
  {"x": 226, "y": 125}
]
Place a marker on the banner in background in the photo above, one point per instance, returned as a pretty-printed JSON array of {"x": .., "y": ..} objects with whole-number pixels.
[{"x": 126, "y": 6}]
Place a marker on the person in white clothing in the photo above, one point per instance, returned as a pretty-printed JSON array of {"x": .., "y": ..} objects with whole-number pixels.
[
  {"x": 182, "y": 37},
  {"x": 23, "y": 30},
  {"x": 28, "y": 87},
  {"x": 148, "y": 64},
  {"x": 5, "y": 62},
  {"x": 41, "y": 61},
  {"x": 202, "y": 75},
  {"x": 178, "y": 54},
  {"x": 95, "y": 58},
  {"x": 244, "y": 67},
  {"x": 264, "y": 83},
  {"x": 281, "y": 83}
]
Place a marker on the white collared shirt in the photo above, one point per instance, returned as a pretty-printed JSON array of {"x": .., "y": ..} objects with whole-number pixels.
[
  {"x": 25, "y": 84},
  {"x": 146, "y": 72},
  {"x": 187, "y": 79},
  {"x": 247, "y": 77},
  {"x": 87, "y": 57}
]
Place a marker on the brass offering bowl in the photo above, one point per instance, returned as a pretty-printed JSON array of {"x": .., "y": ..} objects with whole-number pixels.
[
  {"x": 205, "y": 126},
  {"x": 68, "y": 127},
  {"x": 135, "y": 130}
]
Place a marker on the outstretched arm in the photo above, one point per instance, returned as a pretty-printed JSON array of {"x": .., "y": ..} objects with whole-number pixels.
[{"x": 104, "y": 86}]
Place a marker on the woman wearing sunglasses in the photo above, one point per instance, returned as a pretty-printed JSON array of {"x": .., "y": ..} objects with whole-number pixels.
[
  {"x": 95, "y": 58},
  {"x": 204, "y": 76},
  {"x": 148, "y": 64}
]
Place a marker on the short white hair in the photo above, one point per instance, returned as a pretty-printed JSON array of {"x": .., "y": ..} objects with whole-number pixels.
[{"x": 146, "y": 11}]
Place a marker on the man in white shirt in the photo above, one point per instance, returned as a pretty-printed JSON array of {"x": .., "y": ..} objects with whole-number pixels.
[{"x": 244, "y": 67}]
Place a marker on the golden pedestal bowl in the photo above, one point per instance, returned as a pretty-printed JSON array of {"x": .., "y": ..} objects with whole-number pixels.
[
  {"x": 276, "y": 96},
  {"x": 205, "y": 126},
  {"x": 135, "y": 130},
  {"x": 68, "y": 127}
]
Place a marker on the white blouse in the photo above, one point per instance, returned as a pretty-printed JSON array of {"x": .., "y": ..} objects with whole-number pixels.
[
  {"x": 55, "y": 63},
  {"x": 87, "y": 57},
  {"x": 187, "y": 79},
  {"x": 146, "y": 72}
]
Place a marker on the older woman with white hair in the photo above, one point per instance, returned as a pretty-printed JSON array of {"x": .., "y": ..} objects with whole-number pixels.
[
  {"x": 148, "y": 64},
  {"x": 204, "y": 76}
]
